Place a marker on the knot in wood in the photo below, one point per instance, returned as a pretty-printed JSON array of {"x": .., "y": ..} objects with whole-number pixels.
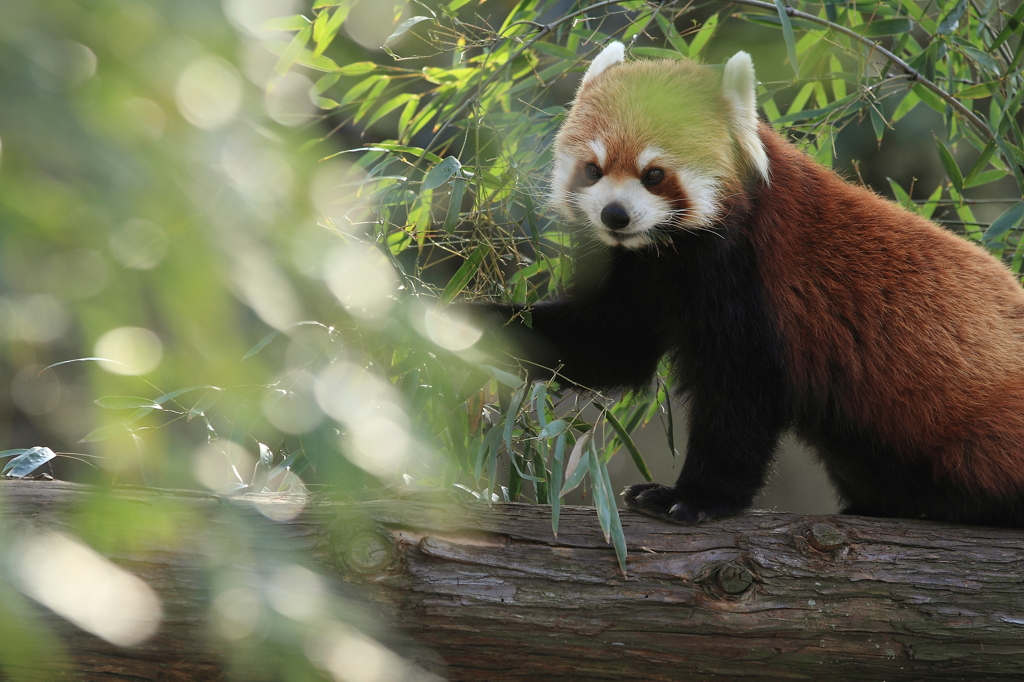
[
  {"x": 825, "y": 537},
  {"x": 368, "y": 551},
  {"x": 734, "y": 579}
]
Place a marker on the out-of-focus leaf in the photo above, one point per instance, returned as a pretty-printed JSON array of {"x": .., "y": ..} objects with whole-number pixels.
[
  {"x": 886, "y": 27},
  {"x": 124, "y": 402},
  {"x": 205, "y": 402},
  {"x": 951, "y": 21},
  {"x": 296, "y": 22},
  {"x": 105, "y": 432},
  {"x": 503, "y": 377}
]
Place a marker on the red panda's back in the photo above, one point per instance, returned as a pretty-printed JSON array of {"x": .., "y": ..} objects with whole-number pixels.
[{"x": 914, "y": 334}]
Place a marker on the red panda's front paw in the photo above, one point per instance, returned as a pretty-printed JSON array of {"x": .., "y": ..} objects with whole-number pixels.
[{"x": 671, "y": 504}]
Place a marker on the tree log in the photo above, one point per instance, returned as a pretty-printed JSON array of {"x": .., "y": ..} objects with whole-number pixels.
[{"x": 472, "y": 591}]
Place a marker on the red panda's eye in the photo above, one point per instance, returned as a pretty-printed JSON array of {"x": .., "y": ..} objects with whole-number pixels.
[
  {"x": 593, "y": 172},
  {"x": 653, "y": 176}
]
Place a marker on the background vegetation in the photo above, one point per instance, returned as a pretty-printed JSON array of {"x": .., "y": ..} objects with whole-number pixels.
[{"x": 250, "y": 210}]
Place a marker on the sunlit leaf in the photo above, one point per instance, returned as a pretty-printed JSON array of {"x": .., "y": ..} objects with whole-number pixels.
[
  {"x": 440, "y": 173},
  {"x": 122, "y": 402},
  {"x": 29, "y": 461},
  {"x": 464, "y": 274},
  {"x": 105, "y": 433},
  {"x": 405, "y": 26}
]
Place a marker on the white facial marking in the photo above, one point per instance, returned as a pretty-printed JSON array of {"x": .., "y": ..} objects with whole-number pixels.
[
  {"x": 561, "y": 184},
  {"x": 645, "y": 210},
  {"x": 703, "y": 193},
  {"x": 599, "y": 150},
  {"x": 646, "y": 156}
]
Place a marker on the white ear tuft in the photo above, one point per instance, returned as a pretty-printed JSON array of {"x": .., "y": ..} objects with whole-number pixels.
[
  {"x": 610, "y": 56},
  {"x": 739, "y": 85}
]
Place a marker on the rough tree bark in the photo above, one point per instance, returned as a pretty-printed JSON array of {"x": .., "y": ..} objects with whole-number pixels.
[{"x": 481, "y": 592}]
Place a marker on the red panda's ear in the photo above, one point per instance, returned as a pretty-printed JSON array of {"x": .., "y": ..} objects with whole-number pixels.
[
  {"x": 610, "y": 56},
  {"x": 739, "y": 85}
]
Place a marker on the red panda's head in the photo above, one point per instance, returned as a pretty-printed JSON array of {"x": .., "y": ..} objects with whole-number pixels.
[{"x": 652, "y": 146}]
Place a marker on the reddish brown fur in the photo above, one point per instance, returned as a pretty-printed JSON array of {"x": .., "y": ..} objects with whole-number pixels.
[{"x": 917, "y": 334}]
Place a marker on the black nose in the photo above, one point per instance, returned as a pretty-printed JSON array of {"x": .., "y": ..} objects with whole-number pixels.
[{"x": 614, "y": 216}]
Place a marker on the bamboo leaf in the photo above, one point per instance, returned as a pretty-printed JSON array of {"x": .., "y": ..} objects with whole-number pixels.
[
  {"x": 451, "y": 219},
  {"x": 886, "y": 27},
  {"x": 405, "y": 26},
  {"x": 123, "y": 402},
  {"x": 29, "y": 461},
  {"x": 464, "y": 274},
  {"x": 105, "y": 433},
  {"x": 634, "y": 452},
  {"x": 440, "y": 173},
  {"x": 553, "y": 429},
  {"x": 574, "y": 473},
  {"x": 1009, "y": 220},
  {"x": 618, "y": 536},
  {"x": 787, "y": 35},
  {"x": 291, "y": 53},
  {"x": 949, "y": 163},
  {"x": 502, "y": 377},
  {"x": 554, "y": 494}
]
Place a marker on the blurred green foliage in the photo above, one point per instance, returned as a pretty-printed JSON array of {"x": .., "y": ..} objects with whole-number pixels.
[{"x": 250, "y": 211}]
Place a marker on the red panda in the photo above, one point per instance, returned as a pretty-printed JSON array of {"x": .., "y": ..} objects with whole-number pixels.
[{"x": 783, "y": 297}]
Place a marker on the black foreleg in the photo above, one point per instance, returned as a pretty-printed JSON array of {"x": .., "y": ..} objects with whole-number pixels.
[{"x": 590, "y": 346}]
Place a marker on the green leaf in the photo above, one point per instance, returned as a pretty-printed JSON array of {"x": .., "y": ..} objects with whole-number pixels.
[
  {"x": 930, "y": 98},
  {"x": 634, "y": 452},
  {"x": 657, "y": 53},
  {"x": 877, "y": 123},
  {"x": 464, "y": 274},
  {"x": 1009, "y": 220},
  {"x": 357, "y": 69},
  {"x": 291, "y": 53},
  {"x": 886, "y": 27},
  {"x": 26, "y": 463},
  {"x": 510, "y": 416},
  {"x": 949, "y": 163},
  {"x": 440, "y": 173},
  {"x": 927, "y": 209},
  {"x": 902, "y": 198},
  {"x": 502, "y": 377},
  {"x": 906, "y": 105},
  {"x": 618, "y": 537},
  {"x": 979, "y": 91},
  {"x": 1012, "y": 26},
  {"x": 553, "y": 428},
  {"x": 105, "y": 432},
  {"x": 787, "y": 35},
  {"x": 296, "y": 22},
  {"x": 951, "y": 21},
  {"x": 17, "y": 451},
  {"x": 123, "y": 402},
  {"x": 205, "y": 402},
  {"x": 574, "y": 472},
  {"x": 603, "y": 501},
  {"x": 555, "y": 50},
  {"x": 451, "y": 219},
  {"x": 329, "y": 29},
  {"x": 556, "y": 481},
  {"x": 703, "y": 35},
  {"x": 405, "y": 26},
  {"x": 487, "y": 443}
]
